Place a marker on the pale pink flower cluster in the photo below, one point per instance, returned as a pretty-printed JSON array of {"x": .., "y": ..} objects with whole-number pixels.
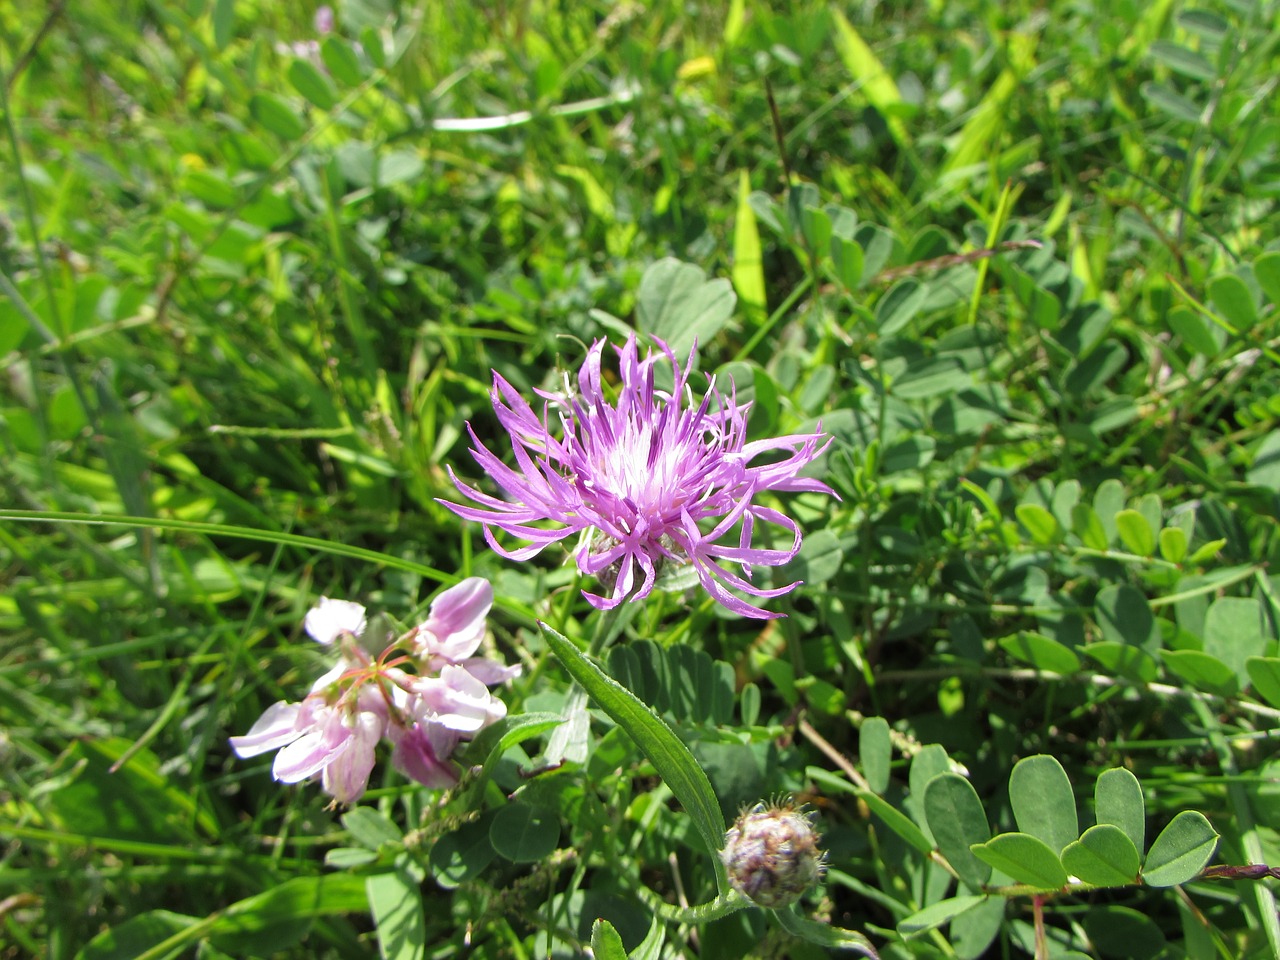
[{"x": 424, "y": 712}]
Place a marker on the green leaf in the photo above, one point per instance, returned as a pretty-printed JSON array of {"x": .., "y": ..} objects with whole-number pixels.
[
  {"x": 931, "y": 379},
  {"x": 1044, "y": 805},
  {"x": 908, "y": 454},
  {"x": 342, "y": 62},
  {"x": 140, "y": 935},
  {"x": 524, "y": 833},
  {"x": 134, "y": 801},
  {"x": 669, "y": 756},
  {"x": 875, "y": 751},
  {"x": 1181, "y": 851},
  {"x": 395, "y": 900},
  {"x": 1265, "y": 469},
  {"x": 277, "y": 116},
  {"x": 1233, "y": 301},
  {"x": 1117, "y": 799},
  {"x": 748, "y": 260},
  {"x": 1128, "y": 661},
  {"x": 824, "y": 934},
  {"x": 1202, "y": 670},
  {"x": 461, "y": 854},
  {"x": 1040, "y": 523},
  {"x": 677, "y": 303},
  {"x": 930, "y": 761},
  {"x": 1086, "y": 525},
  {"x": 279, "y": 918},
  {"x": 1266, "y": 270},
  {"x": 1124, "y": 615},
  {"x": 651, "y": 947},
  {"x": 1194, "y": 331},
  {"x": 846, "y": 257},
  {"x": 958, "y": 821},
  {"x": 371, "y": 43},
  {"x": 1236, "y": 628},
  {"x": 1171, "y": 103},
  {"x": 1173, "y": 544},
  {"x": 1182, "y": 60},
  {"x": 1265, "y": 674},
  {"x": 497, "y": 738},
  {"x": 1204, "y": 24},
  {"x": 1041, "y": 652},
  {"x": 873, "y": 80},
  {"x": 1025, "y": 859},
  {"x": 314, "y": 86},
  {"x": 1118, "y": 931},
  {"x": 605, "y": 942},
  {"x": 896, "y": 820},
  {"x": 936, "y": 914},
  {"x": 972, "y": 932},
  {"x": 820, "y": 559},
  {"x": 1135, "y": 533},
  {"x": 370, "y": 829},
  {"x": 1103, "y": 856},
  {"x": 224, "y": 23},
  {"x": 899, "y": 305},
  {"x": 1206, "y": 552}
]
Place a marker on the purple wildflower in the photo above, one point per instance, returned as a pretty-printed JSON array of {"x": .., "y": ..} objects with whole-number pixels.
[{"x": 650, "y": 478}]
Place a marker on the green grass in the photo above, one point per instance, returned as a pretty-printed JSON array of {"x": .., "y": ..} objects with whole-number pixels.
[{"x": 1022, "y": 261}]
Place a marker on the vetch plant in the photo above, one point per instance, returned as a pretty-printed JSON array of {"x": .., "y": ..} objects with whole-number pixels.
[
  {"x": 649, "y": 478},
  {"x": 333, "y": 732}
]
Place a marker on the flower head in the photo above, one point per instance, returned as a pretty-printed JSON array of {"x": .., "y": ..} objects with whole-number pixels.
[
  {"x": 648, "y": 478},
  {"x": 771, "y": 854},
  {"x": 333, "y": 733}
]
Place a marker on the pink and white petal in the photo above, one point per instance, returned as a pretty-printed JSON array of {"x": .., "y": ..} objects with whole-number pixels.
[
  {"x": 422, "y": 754},
  {"x": 347, "y": 775},
  {"x": 456, "y": 617},
  {"x": 490, "y": 672},
  {"x": 277, "y": 726},
  {"x": 329, "y": 619}
]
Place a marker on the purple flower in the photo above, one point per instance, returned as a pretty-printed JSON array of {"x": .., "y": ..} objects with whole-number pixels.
[{"x": 649, "y": 478}]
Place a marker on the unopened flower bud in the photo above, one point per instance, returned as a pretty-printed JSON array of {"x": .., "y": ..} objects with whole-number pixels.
[{"x": 772, "y": 855}]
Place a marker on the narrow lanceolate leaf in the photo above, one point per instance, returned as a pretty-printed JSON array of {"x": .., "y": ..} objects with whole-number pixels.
[
  {"x": 1043, "y": 803},
  {"x": 896, "y": 820},
  {"x": 824, "y": 934},
  {"x": 1103, "y": 856},
  {"x": 748, "y": 261},
  {"x": 1117, "y": 798},
  {"x": 1024, "y": 858},
  {"x": 669, "y": 756},
  {"x": 876, "y": 82},
  {"x": 1181, "y": 851},
  {"x": 958, "y": 822},
  {"x": 936, "y": 914}
]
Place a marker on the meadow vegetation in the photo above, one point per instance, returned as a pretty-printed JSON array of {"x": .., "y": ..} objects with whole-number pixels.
[{"x": 1019, "y": 262}]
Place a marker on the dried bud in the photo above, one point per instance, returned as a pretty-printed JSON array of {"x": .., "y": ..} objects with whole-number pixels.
[{"x": 772, "y": 854}]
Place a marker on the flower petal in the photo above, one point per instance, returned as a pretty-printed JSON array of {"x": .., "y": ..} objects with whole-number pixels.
[
  {"x": 276, "y": 727},
  {"x": 329, "y": 619}
]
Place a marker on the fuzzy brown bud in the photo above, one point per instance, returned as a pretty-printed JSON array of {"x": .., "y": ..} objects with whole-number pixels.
[{"x": 772, "y": 855}]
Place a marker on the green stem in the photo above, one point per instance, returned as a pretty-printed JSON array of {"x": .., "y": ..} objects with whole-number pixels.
[{"x": 1249, "y": 839}]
